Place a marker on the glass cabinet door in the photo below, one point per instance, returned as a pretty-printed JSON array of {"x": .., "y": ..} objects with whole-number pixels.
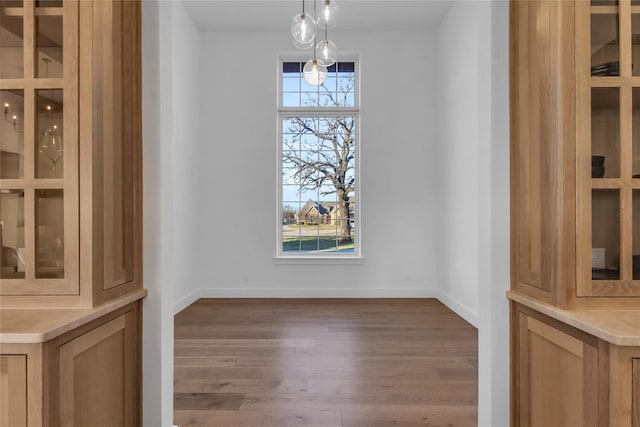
[
  {"x": 608, "y": 149},
  {"x": 39, "y": 148}
]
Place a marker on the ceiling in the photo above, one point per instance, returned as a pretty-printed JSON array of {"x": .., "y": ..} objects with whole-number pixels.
[{"x": 276, "y": 15}]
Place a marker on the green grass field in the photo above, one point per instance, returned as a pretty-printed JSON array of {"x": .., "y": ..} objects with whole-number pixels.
[{"x": 294, "y": 227}]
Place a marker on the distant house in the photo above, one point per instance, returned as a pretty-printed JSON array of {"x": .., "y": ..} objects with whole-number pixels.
[
  {"x": 313, "y": 213},
  {"x": 320, "y": 213}
]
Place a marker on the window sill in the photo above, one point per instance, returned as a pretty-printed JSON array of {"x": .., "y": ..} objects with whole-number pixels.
[{"x": 326, "y": 260}]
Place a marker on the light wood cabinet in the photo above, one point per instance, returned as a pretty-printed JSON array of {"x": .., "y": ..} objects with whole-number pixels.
[
  {"x": 39, "y": 149},
  {"x": 554, "y": 365},
  {"x": 88, "y": 376},
  {"x": 562, "y": 375},
  {"x": 607, "y": 109},
  {"x": 542, "y": 95},
  {"x": 575, "y": 212},
  {"x": 13, "y": 390},
  {"x": 575, "y": 152},
  {"x": 70, "y": 152},
  {"x": 70, "y": 213},
  {"x": 95, "y": 376}
]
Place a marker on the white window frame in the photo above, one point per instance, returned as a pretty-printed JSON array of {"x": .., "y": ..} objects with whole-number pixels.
[{"x": 355, "y": 112}]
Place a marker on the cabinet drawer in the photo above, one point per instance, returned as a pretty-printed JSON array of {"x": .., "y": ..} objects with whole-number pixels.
[{"x": 13, "y": 390}]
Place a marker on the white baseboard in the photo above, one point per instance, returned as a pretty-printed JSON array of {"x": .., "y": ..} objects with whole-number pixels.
[
  {"x": 317, "y": 293},
  {"x": 186, "y": 301},
  {"x": 460, "y": 309},
  {"x": 457, "y": 307}
]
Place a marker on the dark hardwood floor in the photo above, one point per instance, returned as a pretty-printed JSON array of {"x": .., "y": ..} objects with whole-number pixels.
[{"x": 324, "y": 363}]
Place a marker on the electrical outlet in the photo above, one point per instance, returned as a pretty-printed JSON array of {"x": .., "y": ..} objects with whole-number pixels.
[{"x": 597, "y": 257}]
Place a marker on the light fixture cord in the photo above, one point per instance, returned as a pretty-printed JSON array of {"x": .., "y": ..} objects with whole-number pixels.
[{"x": 315, "y": 12}]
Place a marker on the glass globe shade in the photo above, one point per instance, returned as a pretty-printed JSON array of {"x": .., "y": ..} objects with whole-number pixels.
[
  {"x": 327, "y": 15},
  {"x": 303, "y": 28},
  {"x": 327, "y": 52},
  {"x": 303, "y": 46},
  {"x": 315, "y": 72}
]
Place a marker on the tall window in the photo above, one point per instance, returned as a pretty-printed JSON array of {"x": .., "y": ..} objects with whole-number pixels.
[{"x": 318, "y": 163}]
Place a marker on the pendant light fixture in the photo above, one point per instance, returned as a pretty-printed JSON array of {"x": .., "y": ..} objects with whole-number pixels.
[
  {"x": 327, "y": 51},
  {"x": 327, "y": 17},
  {"x": 314, "y": 71},
  {"x": 303, "y": 29}
]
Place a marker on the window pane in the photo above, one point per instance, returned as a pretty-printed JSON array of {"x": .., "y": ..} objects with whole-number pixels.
[
  {"x": 635, "y": 41},
  {"x": 636, "y": 234},
  {"x": 48, "y": 3},
  {"x": 49, "y": 234},
  {"x": 635, "y": 170},
  {"x": 49, "y": 133},
  {"x": 605, "y": 132},
  {"x": 12, "y": 264},
  {"x": 289, "y": 210},
  {"x": 11, "y": 43},
  {"x": 48, "y": 60},
  {"x": 12, "y": 131},
  {"x": 289, "y": 175},
  {"x": 290, "y": 193},
  {"x": 290, "y": 99},
  {"x": 605, "y": 45},
  {"x": 605, "y": 238},
  {"x": 327, "y": 195},
  {"x": 338, "y": 90}
]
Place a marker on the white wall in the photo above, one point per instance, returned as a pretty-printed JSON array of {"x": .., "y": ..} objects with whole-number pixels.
[
  {"x": 473, "y": 154},
  {"x": 157, "y": 351},
  {"x": 457, "y": 152},
  {"x": 235, "y": 189},
  {"x": 170, "y": 48},
  {"x": 186, "y": 138},
  {"x": 171, "y": 137},
  {"x": 493, "y": 405}
]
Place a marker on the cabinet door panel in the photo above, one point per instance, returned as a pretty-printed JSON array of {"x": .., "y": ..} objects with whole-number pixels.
[
  {"x": 531, "y": 129},
  {"x": 558, "y": 377},
  {"x": 96, "y": 376},
  {"x": 111, "y": 108},
  {"x": 13, "y": 391},
  {"x": 115, "y": 132},
  {"x": 541, "y": 114}
]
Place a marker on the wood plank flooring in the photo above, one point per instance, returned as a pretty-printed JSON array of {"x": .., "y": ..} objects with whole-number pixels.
[{"x": 324, "y": 363}]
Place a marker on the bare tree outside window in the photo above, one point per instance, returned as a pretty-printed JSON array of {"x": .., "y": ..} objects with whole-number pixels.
[{"x": 326, "y": 165}]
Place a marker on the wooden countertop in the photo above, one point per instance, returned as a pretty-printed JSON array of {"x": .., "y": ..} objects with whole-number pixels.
[
  {"x": 20, "y": 326},
  {"x": 619, "y": 327}
]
